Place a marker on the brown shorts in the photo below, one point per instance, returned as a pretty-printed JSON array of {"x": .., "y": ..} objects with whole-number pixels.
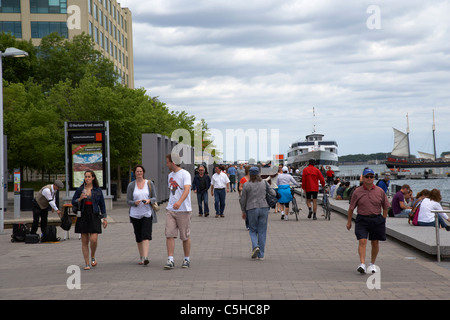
[{"x": 178, "y": 221}]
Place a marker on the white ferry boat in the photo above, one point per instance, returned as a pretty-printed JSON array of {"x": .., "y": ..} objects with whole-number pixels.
[{"x": 325, "y": 152}]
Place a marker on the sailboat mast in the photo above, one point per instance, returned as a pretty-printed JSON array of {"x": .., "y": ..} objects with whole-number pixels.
[
  {"x": 407, "y": 136},
  {"x": 434, "y": 138}
]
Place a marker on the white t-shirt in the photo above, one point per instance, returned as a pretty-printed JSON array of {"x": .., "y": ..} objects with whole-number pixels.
[
  {"x": 177, "y": 181},
  {"x": 142, "y": 210},
  {"x": 425, "y": 214},
  {"x": 219, "y": 181}
]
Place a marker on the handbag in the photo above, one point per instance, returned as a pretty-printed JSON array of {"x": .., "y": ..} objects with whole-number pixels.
[
  {"x": 155, "y": 205},
  {"x": 271, "y": 200}
]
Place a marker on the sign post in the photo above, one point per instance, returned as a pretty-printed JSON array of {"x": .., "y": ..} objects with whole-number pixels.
[{"x": 16, "y": 193}]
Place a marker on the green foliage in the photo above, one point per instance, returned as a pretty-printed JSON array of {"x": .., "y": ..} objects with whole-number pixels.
[{"x": 70, "y": 81}]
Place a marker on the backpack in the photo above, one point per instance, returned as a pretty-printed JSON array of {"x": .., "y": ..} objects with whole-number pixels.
[
  {"x": 20, "y": 230},
  {"x": 50, "y": 235}
]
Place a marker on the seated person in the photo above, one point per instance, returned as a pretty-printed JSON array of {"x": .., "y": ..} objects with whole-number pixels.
[
  {"x": 346, "y": 193},
  {"x": 426, "y": 214},
  {"x": 340, "y": 192},
  {"x": 399, "y": 207}
]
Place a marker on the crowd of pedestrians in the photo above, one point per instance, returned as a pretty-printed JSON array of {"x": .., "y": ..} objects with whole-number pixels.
[{"x": 369, "y": 199}]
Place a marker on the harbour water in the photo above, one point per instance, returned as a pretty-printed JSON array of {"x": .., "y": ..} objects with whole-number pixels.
[{"x": 416, "y": 185}]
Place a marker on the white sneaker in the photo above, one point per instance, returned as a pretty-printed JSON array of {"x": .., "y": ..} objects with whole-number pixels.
[
  {"x": 361, "y": 268},
  {"x": 286, "y": 217},
  {"x": 372, "y": 268}
]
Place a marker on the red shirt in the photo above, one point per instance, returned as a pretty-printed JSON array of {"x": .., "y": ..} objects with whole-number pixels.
[
  {"x": 369, "y": 201},
  {"x": 310, "y": 179}
]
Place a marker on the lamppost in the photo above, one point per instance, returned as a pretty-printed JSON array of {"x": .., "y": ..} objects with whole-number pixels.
[{"x": 15, "y": 53}]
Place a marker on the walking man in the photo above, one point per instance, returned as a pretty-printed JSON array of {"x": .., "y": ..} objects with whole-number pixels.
[
  {"x": 178, "y": 210},
  {"x": 310, "y": 183},
  {"x": 219, "y": 182},
  {"x": 200, "y": 186},
  {"x": 370, "y": 224}
]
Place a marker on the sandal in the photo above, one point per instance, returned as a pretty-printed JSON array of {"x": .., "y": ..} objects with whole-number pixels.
[
  {"x": 94, "y": 262},
  {"x": 87, "y": 267},
  {"x": 141, "y": 261}
]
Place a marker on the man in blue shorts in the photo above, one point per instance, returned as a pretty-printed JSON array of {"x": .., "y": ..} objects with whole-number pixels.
[{"x": 370, "y": 224}]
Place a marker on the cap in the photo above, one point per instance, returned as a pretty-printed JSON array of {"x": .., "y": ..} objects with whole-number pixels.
[
  {"x": 285, "y": 169},
  {"x": 253, "y": 171},
  {"x": 59, "y": 184},
  {"x": 367, "y": 171}
]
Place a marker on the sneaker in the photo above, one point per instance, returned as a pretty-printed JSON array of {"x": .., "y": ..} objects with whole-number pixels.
[
  {"x": 282, "y": 216},
  {"x": 314, "y": 216},
  {"x": 255, "y": 252},
  {"x": 286, "y": 217},
  {"x": 146, "y": 261},
  {"x": 186, "y": 264},
  {"x": 169, "y": 265},
  {"x": 372, "y": 268},
  {"x": 362, "y": 268},
  {"x": 310, "y": 213}
]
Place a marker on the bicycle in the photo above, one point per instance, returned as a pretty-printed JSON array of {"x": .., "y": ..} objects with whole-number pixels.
[
  {"x": 326, "y": 204},
  {"x": 295, "y": 208}
]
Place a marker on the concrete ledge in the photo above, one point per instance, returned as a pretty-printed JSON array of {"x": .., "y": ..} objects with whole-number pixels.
[{"x": 422, "y": 238}]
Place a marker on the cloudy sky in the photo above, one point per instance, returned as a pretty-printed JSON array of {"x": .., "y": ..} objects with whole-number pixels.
[{"x": 264, "y": 64}]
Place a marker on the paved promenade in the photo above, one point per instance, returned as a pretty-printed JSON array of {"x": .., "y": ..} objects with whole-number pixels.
[{"x": 305, "y": 259}]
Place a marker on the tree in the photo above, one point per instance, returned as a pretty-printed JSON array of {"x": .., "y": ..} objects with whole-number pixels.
[{"x": 60, "y": 60}]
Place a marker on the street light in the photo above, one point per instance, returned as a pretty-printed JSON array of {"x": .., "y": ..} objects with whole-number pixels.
[{"x": 15, "y": 53}]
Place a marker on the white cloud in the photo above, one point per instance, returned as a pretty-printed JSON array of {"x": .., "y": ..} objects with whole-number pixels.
[{"x": 267, "y": 63}]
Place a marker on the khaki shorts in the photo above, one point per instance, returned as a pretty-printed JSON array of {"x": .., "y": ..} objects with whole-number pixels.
[{"x": 178, "y": 221}]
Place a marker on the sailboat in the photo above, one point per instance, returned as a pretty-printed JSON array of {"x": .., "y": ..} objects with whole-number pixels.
[{"x": 401, "y": 156}]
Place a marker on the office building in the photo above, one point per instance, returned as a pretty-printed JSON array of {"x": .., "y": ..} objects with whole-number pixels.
[{"x": 106, "y": 21}]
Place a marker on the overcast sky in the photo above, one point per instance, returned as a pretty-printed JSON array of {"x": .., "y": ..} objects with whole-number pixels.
[{"x": 264, "y": 64}]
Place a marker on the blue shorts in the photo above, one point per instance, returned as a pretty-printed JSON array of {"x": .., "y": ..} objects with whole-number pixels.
[{"x": 370, "y": 227}]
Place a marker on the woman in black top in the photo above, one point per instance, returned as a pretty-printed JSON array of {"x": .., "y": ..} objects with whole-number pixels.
[{"x": 89, "y": 200}]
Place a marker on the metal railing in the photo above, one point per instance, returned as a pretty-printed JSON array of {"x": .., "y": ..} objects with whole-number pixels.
[{"x": 438, "y": 240}]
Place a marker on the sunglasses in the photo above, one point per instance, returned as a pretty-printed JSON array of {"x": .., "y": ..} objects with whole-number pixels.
[{"x": 369, "y": 176}]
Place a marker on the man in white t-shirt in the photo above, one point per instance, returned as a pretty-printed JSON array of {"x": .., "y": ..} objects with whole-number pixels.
[
  {"x": 219, "y": 183},
  {"x": 178, "y": 210}
]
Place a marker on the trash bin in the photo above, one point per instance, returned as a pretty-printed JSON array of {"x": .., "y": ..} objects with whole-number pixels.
[{"x": 26, "y": 198}]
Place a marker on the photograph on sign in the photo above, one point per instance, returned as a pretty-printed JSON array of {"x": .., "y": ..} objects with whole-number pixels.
[{"x": 87, "y": 156}]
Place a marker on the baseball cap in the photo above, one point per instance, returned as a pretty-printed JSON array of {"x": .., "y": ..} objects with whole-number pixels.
[
  {"x": 253, "y": 171},
  {"x": 367, "y": 171}
]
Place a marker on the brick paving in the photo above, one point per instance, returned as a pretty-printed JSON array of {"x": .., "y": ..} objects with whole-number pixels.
[{"x": 305, "y": 259}]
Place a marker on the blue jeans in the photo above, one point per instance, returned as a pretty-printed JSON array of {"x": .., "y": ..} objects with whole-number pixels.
[
  {"x": 202, "y": 199},
  {"x": 432, "y": 224},
  {"x": 403, "y": 214},
  {"x": 219, "y": 201},
  {"x": 257, "y": 220}
]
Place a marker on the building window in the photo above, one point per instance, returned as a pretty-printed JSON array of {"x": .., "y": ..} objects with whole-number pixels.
[
  {"x": 42, "y": 29},
  {"x": 13, "y": 27},
  {"x": 10, "y": 6},
  {"x": 48, "y": 6}
]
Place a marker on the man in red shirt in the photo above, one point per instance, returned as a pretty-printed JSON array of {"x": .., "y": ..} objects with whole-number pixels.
[
  {"x": 369, "y": 223},
  {"x": 330, "y": 175},
  {"x": 310, "y": 183}
]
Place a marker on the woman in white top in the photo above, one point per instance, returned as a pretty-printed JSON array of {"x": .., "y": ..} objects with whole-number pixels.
[
  {"x": 426, "y": 217},
  {"x": 140, "y": 194}
]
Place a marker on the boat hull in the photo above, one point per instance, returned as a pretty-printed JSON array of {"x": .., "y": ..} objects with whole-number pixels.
[
  {"x": 324, "y": 158},
  {"x": 434, "y": 164}
]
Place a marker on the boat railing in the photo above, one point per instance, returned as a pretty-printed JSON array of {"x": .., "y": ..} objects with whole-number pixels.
[{"x": 438, "y": 241}]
